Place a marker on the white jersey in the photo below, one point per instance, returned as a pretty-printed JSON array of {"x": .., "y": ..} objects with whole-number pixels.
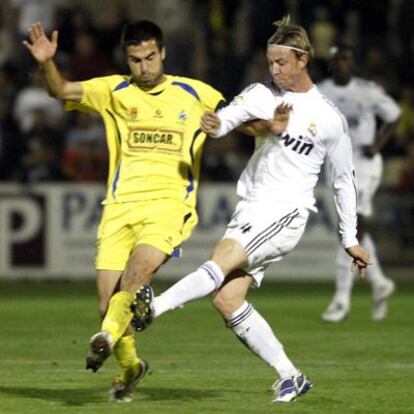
[
  {"x": 361, "y": 101},
  {"x": 284, "y": 170}
]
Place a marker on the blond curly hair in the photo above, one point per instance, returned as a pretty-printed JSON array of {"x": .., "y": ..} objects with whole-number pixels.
[{"x": 292, "y": 36}]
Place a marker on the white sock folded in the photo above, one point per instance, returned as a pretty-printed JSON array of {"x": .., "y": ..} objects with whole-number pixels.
[{"x": 253, "y": 330}]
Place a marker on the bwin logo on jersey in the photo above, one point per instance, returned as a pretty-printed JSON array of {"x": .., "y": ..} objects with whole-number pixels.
[{"x": 301, "y": 145}]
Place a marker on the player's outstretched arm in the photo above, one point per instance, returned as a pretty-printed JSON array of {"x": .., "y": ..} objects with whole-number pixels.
[
  {"x": 210, "y": 123},
  {"x": 280, "y": 118},
  {"x": 255, "y": 128},
  {"x": 277, "y": 125},
  {"x": 361, "y": 259},
  {"x": 43, "y": 50},
  {"x": 40, "y": 46}
]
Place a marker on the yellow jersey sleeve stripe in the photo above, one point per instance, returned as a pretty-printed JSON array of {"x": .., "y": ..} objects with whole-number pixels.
[
  {"x": 188, "y": 88},
  {"x": 115, "y": 180},
  {"x": 118, "y": 133},
  {"x": 195, "y": 136},
  {"x": 190, "y": 187},
  {"x": 122, "y": 85}
]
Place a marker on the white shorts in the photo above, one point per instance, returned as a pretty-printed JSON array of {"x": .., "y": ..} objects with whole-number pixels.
[
  {"x": 368, "y": 174},
  {"x": 266, "y": 232}
]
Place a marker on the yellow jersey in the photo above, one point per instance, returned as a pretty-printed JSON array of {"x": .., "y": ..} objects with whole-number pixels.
[{"x": 154, "y": 137}]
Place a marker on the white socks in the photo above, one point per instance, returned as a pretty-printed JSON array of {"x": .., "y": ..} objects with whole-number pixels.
[
  {"x": 253, "y": 330},
  {"x": 374, "y": 271},
  {"x": 249, "y": 326},
  {"x": 344, "y": 278},
  {"x": 206, "y": 279}
]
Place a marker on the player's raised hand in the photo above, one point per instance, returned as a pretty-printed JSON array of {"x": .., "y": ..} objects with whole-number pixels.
[
  {"x": 40, "y": 46},
  {"x": 280, "y": 118},
  {"x": 361, "y": 259},
  {"x": 210, "y": 123}
]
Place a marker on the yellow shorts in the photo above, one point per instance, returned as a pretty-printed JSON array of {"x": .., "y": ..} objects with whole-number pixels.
[{"x": 163, "y": 224}]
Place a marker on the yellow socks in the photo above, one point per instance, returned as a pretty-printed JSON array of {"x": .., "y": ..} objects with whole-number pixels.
[
  {"x": 126, "y": 355},
  {"x": 119, "y": 315},
  {"x": 125, "y": 352}
]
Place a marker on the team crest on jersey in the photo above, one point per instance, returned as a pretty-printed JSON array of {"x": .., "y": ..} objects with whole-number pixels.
[
  {"x": 182, "y": 117},
  {"x": 312, "y": 129},
  {"x": 133, "y": 113},
  {"x": 238, "y": 100},
  {"x": 158, "y": 114}
]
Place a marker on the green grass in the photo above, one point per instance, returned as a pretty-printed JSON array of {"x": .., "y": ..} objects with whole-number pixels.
[{"x": 359, "y": 366}]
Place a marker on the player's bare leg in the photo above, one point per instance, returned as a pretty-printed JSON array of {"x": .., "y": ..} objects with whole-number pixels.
[
  {"x": 253, "y": 330},
  {"x": 133, "y": 369},
  {"x": 142, "y": 265},
  {"x": 100, "y": 346},
  {"x": 227, "y": 255},
  {"x": 108, "y": 283}
]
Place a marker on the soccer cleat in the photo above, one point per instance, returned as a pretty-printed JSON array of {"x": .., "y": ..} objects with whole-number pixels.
[
  {"x": 335, "y": 312},
  {"x": 125, "y": 383},
  {"x": 288, "y": 389},
  {"x": 381, "y": 295},
  {"x": 100, "y": 347},
  {"x": 141, "y": 308}
]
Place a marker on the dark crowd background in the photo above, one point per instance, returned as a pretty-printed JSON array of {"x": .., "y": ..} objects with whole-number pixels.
[{"x": 219, "y": 41}]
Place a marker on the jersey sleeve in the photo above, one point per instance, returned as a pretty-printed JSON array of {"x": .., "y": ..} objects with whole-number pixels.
[
  {"x": 340, "y": 163},
  {"x": 210, "y": 98},
  {"x": 254, "y": 102},
  {"x": 96, "y": 95},
  {"x": 383, "y": 105}
]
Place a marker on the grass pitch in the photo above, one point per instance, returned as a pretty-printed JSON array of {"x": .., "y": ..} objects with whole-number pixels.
[{"x": 198, "y": 366}]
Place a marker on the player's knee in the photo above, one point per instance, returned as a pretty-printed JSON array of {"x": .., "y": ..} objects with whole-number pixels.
[{"x": 137, "y": 276}]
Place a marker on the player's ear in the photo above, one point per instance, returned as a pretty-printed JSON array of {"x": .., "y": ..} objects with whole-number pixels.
[
  {"x": 163, "y": 53},
  {"x": 303, "y": 61}
]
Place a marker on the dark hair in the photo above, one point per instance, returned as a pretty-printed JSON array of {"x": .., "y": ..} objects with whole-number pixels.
[
  {"x": 141, "y": 31},
  {"x": 341, "y": 47}
]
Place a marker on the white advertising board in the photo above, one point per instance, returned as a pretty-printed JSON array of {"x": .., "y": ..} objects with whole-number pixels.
[{"x": 48, "y": 232}]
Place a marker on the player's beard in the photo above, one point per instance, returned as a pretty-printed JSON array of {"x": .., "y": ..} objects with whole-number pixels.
[{"x": 150, "y": 80}]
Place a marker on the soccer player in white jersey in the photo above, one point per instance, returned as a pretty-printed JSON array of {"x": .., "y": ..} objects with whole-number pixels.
[
  {"x": 362, "y": 102},
  {"x": 276, "y": 194}
]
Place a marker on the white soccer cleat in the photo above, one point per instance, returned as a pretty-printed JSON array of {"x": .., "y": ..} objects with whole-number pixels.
[
  {"x": 381, "y": 295},
  {"x": 288, "y": 389},
  {"x": 335, "y": 312}
]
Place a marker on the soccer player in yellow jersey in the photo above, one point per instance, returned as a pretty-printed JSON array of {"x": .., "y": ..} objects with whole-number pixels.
[{"x": 152, "y": 126}]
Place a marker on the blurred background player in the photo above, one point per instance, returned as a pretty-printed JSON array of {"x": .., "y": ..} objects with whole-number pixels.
[
  {"x": 362, "y": 102},
  {"x": 276, "y": 193},
  {"x": 152, "y": 130}
]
